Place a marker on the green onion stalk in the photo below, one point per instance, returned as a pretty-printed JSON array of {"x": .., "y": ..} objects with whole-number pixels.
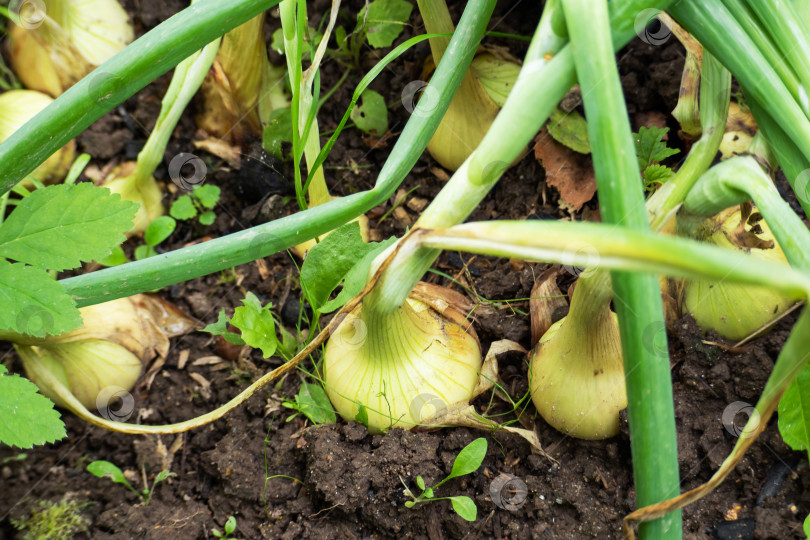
[
  {"x": 585, "y": 345},
  {"x": 717, "y": 25},
  {"x": 304, "y": 110},
  {"x": 134, "y": 181}
]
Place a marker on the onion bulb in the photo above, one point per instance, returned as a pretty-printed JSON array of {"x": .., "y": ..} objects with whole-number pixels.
[
  {"x": 111, "y": 349},
  {"x": 19, "y": 106},
  {"x": 575, "y": 372},
  {"x": 403, "y": 368},
  {"x": 75, "y": 37},
  {"x": 145, "y": 191},
  {"x": 736, "y": 311},
  {"x": 475, "y": 104},
  {"x": 242, "y": 88}
]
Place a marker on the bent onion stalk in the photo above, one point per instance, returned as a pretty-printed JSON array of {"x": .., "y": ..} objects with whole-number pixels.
[{"x": 135, "y": 181}]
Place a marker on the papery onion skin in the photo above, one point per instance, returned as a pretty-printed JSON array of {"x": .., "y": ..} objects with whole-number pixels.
[{"x": 418, "y": 364}]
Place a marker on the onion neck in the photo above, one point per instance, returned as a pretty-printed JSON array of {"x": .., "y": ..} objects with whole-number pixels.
[{"x": 590, "y": 307}]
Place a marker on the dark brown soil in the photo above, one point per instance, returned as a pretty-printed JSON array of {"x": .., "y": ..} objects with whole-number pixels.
[{"x": 289, "y": 479}]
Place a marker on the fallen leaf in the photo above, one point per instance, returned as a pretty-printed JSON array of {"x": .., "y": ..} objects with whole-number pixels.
[{"x": 571, "y": 173}]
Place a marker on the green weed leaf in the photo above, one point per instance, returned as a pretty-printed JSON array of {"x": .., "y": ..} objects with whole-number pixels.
[
  {"x": 208, "y": 195},
  {"x": 312, "y": 402},
  {"x": 278, "y": 130},
  {"x": 33, "y": 303},
  {"x": 650, "y": 146},
  {"x": 371, "y": 115},
  {"x": 340, "y": 258},
  {"x": 207, "y": 218},
  {"x": 159, "y": 230},
  {"x": 570, "y": 129},
  {"x": 26, "y": 416},
  {"x": 385, "y": 21},
  {"x": 470, "y": 458},
  {"x": 183, "y": 208},
  {"x": 257, "y": 325},
  {"x": 362, "y": 414},
  {"x": 464, "y": 507},
  {"x": 61, "y": 226},
  {"x": 220, "y": 328},
  {"x": 116, "y": 257},
  {"x": 794, "y": 412},
  {"x": 105, "y": 469}
]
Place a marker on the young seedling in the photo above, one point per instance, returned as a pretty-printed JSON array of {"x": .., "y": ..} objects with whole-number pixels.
[
  {"x": 312, "y": 402},
  {"x": 230, "y": 527},
  {"x": 198, "y": 203},
  {"x": 466, "y": 462},
  {"x": 109, "y": 470},
  {"x": 379, "y": 25}
]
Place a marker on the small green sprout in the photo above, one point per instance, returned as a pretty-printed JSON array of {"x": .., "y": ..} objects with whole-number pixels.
[
  {"x": 312, "y": 402},
  {"x": 467, "y": 461},
  {"x": 230, "y": 527},
  {"x": 198, "y": 203},
  {"x": 109, "y": 470}
]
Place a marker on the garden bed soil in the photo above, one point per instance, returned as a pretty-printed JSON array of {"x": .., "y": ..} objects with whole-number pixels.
[{"x": 290, "y": 479}]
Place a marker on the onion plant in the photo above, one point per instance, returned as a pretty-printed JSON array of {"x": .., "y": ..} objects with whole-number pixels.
[{"x": 396, "y": 340}]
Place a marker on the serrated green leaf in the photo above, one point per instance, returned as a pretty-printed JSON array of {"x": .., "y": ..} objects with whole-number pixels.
[
  {"x": 656, "y": 174},
  {"x": 313, "y": 402},
  {"x": 61, "y": 226},
  {"x": 794, "y": 412},
  {"x": 208, "y": 195},
  {"x": 256, "y": 324},
  {"x": 159, "y": 230},
  {"x": 220, "y": 328},
  {"x": 332, "y": 262},
  {"x": 385, "y": 21},
  {"x": 470, "y": 458},
  {"x": 371, "y": 115},
  {"x": 27, "y": 418},
  {"x": 650, "y": 146},
  {"x": 33, "y": 303},
  {"x": 183, "y": 208},
  {"x": 464, "y": 507},
  {"x": 278, "y": 130},
  {"x": 570, "y": 129},
  {"x": 207, "y": 217}
]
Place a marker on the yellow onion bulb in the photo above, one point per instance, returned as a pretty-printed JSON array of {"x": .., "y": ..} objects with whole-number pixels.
[
  {"x": 736, "y": 311},
  {"x": 576, "y": 376},
  {"x": 18, "y": 107},
  {"x": 87, "y": 368},
  {"x": 145, "y": 191},
  {"x": 402, "y": 368},
  {"x": 74, "y": 37},
  {"x": 496, "y": 75}
]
